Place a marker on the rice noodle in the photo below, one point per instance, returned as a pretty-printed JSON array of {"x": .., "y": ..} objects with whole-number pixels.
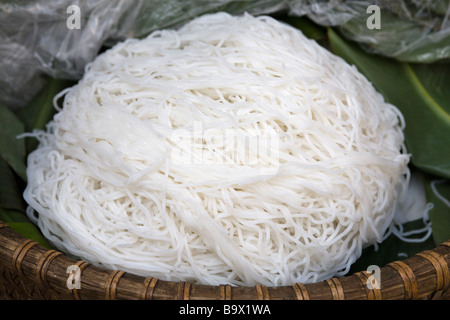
[{"x": 233, "y": 150}]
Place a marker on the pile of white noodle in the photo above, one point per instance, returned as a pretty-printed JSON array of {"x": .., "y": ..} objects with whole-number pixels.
[{"x": 231, "y": 151}]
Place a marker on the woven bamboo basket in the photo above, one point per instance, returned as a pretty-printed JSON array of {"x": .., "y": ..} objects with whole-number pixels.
[{"x": 30, "y": 271}]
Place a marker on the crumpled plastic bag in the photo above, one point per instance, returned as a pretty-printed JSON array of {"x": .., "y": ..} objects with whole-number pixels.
[{"x": 37, "y": 38}]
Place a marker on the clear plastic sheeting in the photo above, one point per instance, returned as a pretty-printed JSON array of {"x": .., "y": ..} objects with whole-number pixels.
[
  {"x": 35, "y": 40},
  {"x": 40, "y": 37},
  {"x": 412, "y": 31}
]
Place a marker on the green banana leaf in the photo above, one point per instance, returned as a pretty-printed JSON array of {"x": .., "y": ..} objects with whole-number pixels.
[
  {"x": 435, "y": 79},
  {"x": 40, "y": 110},
  {"x": 438, "y": 193},
  {"x": 10, "y": 189},
  {"x": 427, "y": 118},
  {"x": 13, "y": 152}
]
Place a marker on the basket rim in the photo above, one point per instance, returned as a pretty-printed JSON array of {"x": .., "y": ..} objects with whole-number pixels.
[{"x": 425, "y": 275}]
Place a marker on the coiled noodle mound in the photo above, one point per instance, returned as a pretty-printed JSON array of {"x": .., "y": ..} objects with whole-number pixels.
[{"x": 233, "y": 150}]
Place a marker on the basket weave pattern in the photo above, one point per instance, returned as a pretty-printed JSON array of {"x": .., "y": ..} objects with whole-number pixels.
[{"x": 30, "y": 271}]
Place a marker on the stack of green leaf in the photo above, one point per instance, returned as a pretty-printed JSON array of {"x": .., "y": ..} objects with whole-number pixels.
[{"x": 417, "y": 81}]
